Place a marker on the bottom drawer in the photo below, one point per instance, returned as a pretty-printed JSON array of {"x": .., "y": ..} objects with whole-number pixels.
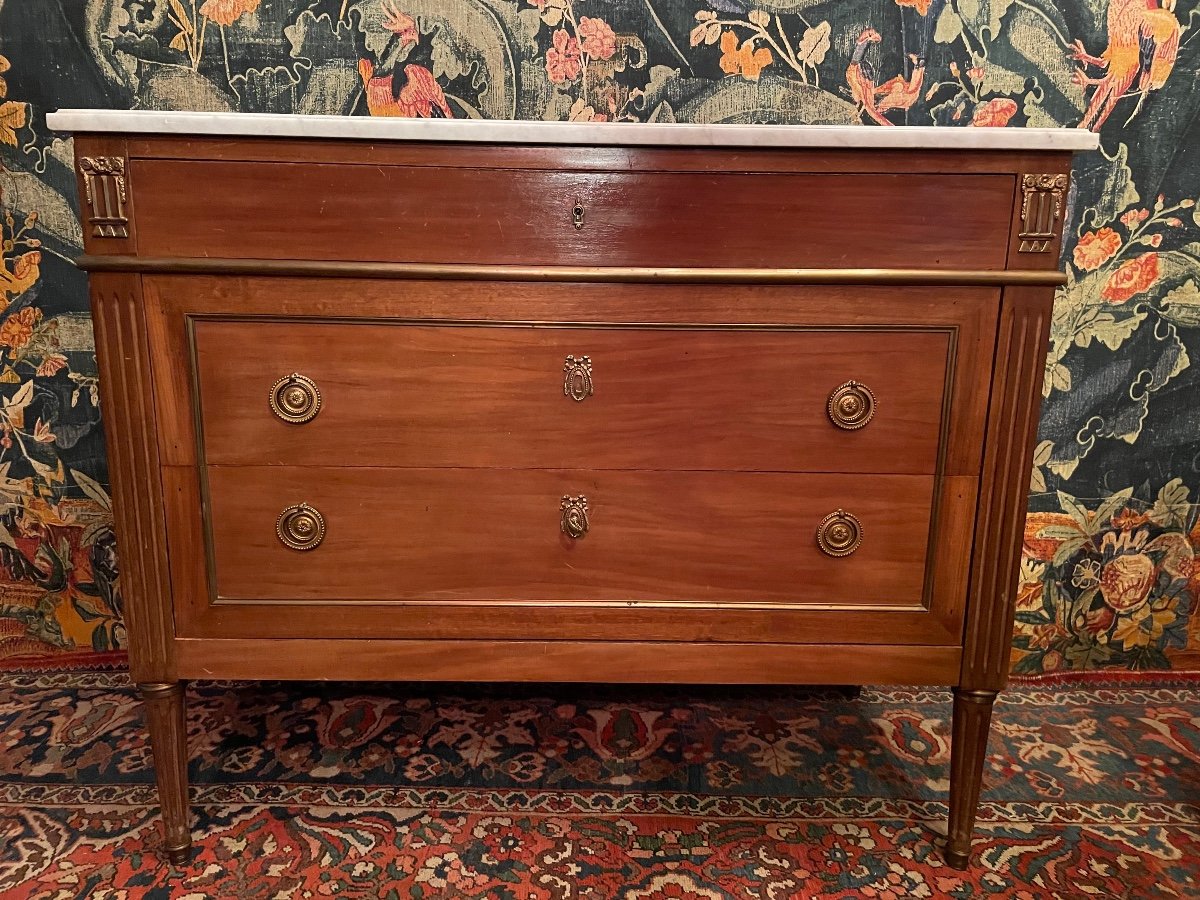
[{"x": 497, "y": 536}]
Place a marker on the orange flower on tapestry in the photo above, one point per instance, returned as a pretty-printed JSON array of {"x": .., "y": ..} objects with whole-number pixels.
[
  {"x": 597, "y": 37},
  {"x": 1134, "y": 217},
  {"x": 1128, "y": 519},
  {"x": 1126, "y": 581},
  {"x": 743, "y": 60},
  {"x": 1096, "y": 248},
  {"x": 921, "y": 6},
  {"x": 17, "y": 329},
  {"x": 994, "y": 113},
  {"x": 53, "y": 362},
  {"x": 563, "y": 59},
  {"x": 226, "y": 12},
  {"x": 1132, "y": 277}
]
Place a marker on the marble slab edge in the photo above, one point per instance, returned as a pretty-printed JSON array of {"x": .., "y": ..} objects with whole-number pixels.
[{"x": 588, "y": 133}]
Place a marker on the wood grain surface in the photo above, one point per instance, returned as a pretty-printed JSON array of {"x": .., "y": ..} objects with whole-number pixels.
[
  {"x": 486, "y": 534},
  {"x": 443, "y": 450},
  {"x": 621, "y": 662},
  {"x": 482, "y": 215},
  {"x": 1011, "y": 429},
  {"x": 174, "y": 300},
  {"x": 742, "y": 160},
  {"x": 412, "y": 395},
  {"x": 139, "y": 505}
]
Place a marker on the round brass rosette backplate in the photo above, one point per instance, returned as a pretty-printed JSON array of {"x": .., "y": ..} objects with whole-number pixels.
[
  {"x": 851, "y": 405},
  {"x": 301, "y": 527},
  {"x": 295, "y": 399},
  {"x": 839, "y": 533}
]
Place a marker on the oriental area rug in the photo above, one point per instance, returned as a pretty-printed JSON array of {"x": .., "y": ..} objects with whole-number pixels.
[{"x": 603, "y": 792}]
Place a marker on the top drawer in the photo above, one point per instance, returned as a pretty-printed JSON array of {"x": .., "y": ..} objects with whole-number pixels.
[{"x": 532, "y": 217}]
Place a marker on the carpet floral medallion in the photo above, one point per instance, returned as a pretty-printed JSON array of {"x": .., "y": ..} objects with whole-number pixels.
[{"x": 604, "y": 792}]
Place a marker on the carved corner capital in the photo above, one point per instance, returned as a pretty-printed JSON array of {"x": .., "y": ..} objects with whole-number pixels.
[
  {"x": 1041, "y": 210},
  {"x": 104, "y": 190}
]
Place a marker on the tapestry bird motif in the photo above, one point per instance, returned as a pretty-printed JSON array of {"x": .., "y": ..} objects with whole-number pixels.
[{"x": 1109, "y": 577}]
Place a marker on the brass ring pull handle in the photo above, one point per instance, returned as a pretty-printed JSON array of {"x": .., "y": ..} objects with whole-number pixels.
[
  {"x": 295, "y": 399},
  {"x": 301, "y": 527},
  {"x": 574, "y": 520},
  {"x": 577, "y": 382},
  {"x": 851, "y": 405},
  {"x": 839, "y": 533},
  {"x": 577, "y": 214}
]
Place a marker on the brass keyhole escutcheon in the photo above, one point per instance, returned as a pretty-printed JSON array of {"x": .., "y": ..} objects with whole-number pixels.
[
  {"x": 300, "y": 527},
  {"x": 577, "y": 381},
  {"x": 574, "y": 521},
  {"x": 577, "y": 214},
  {"x": 295, "y": 399},
  {"x": 839, "y": 533},
  {"x": 851, "y": 405}
]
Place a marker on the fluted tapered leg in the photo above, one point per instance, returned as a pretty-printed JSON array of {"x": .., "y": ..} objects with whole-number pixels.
[
  {"x": 968, "y": 749},
  {"x": 168, "y": 743}
]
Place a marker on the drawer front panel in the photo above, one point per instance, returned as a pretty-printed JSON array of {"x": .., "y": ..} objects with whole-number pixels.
[
  {"x": 525, "y": 397},
  {"x": 452, "y": 535},
  {"x": 438, "y": 214}
]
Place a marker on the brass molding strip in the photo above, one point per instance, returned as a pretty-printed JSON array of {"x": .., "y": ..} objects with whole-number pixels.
[
  {"x": 632, "y": 274},
  {"x": 215, "y": 599}
]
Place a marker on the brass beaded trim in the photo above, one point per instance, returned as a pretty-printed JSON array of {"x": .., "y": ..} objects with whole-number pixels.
[
  {"x": 577, "y": 378},
  {"x": 851, "y": 405},
  {"x": 300, "y": 527},
  {"x": 839, "y": 534},
  {"x": 574, "y": 521},
  {"x": 295, "y": 399}
]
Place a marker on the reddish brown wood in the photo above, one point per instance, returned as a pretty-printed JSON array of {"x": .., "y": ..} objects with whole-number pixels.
[
  {"x": 1000, "y": 519},
  {"x": 431, "y": 395},
  {"x": 968, "y": 751},
  {"x": 111, "y": 148},
  {"x": 1046, "y": 258},
  {"x": 1012, "y": 424},
  {"x": 440, "y": 463},
  {"x": 198, "y": 617},
  {"x": 477, "y": 215},
  {"x": 624, "y": 662},
  {"x": 127, "y": 391},
  {"x": 166, "y": 720},
  {"x": 597, "y": 158},
  {"x": 970, "y": 312},
  {"x": 487, "y": 534}
]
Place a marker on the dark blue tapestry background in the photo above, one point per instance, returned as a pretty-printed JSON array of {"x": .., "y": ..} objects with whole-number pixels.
[{"x": 1110, "y": 574}]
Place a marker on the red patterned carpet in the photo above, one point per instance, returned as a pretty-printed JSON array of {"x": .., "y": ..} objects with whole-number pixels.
[{"x": 604, "y": 793}]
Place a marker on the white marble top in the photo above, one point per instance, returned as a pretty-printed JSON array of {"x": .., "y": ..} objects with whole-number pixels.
[{"x": 591, "y": 133}]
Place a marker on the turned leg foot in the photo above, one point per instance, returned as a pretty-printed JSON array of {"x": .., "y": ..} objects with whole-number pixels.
[
  {"x": 168, "y": 744},
  {"x": 968, "y": 749}
]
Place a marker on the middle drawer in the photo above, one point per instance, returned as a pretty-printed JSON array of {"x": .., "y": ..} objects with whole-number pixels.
[{"x": 834, "y": 399}]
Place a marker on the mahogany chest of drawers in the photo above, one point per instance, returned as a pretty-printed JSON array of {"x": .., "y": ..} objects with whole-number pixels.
[{"x": 464, "y": 401}]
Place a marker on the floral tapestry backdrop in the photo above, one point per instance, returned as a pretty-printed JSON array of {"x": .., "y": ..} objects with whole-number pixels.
[{"x": 1109, "y": 576}]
